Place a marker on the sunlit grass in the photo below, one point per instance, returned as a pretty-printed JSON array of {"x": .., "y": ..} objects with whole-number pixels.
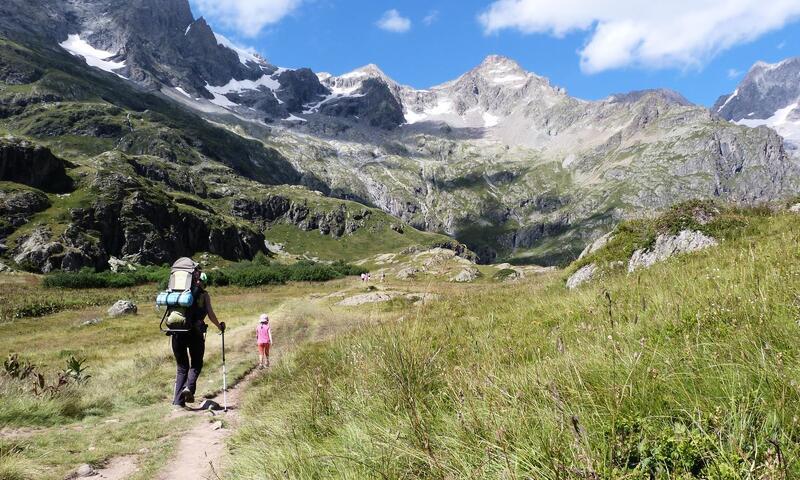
[{"x": 688, "y": 369}]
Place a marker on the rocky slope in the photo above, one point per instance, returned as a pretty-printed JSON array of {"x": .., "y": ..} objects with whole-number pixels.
[
  {"x": 768, "y": 95},
  {"x": 92, "y": 168},
  {"x": 517, "y": 168},
  {"x": 498, "y": 158}
]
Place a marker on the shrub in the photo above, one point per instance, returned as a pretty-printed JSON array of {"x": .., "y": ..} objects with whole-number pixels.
[
  {"x": 88, "y": 278},
  {"x": 253, "y": 273}
]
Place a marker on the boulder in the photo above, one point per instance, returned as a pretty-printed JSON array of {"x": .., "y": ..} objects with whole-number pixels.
[
  {"x": 795, "y": 208},
  {"x": 466, "y": 275},
  {"x": 407, "y": 273},
  {"x": 122, "y": 307},
  {"x": 372, "y": 297},
  {"x": 84, "y": 470},
  {"x": 584, "y": 274},
  {"x": 667, "y": 246}
]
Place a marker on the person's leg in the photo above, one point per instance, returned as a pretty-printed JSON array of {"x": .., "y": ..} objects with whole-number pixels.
[
  {"x": 261, "y": 355},
  {"x": 266, "y": 353},
  {"x": 197, "y": 348},
  {"x": 179, "y": 349}
]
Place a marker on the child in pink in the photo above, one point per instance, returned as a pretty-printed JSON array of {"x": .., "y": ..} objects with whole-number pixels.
[{"x": 264, "y": 340}]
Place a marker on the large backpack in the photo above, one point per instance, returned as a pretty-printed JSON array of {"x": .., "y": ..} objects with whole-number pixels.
[{"x": 178, "y": 296}]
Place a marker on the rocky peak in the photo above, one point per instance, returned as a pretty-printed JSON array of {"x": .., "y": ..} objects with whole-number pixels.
[
  {"x": 766, "y": 88},
  {"x": 665, "y": 95},
  {"x": 768, "y": 95}
]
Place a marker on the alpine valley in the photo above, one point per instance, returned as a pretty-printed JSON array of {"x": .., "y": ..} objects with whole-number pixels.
[{"x": 129, "y": 129}]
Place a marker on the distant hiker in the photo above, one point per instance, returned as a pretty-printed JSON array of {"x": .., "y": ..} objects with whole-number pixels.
[
  {"x": 264, "y": 340},
  {"x": 189, "y": 343},
  {"x": 363, "y": 277},
  {"x": 383, "y": 276}
]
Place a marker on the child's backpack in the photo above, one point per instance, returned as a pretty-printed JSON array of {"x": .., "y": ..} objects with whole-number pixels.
[{"x": 178, "y": 296}]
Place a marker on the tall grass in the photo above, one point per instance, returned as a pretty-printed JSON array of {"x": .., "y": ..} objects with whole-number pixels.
[{"x": 685, "y": 370}]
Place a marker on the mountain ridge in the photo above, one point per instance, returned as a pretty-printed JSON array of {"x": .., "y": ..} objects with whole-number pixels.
[{"x": 497, "y": 158}]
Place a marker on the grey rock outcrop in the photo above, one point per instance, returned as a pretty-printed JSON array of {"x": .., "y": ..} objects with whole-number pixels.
[
  {"x": 32, "y": 165},
  {"x": 596, "y": 245},
  {"x": 407, "y": 273},
  {"x": 277, "y": 208},
  {"x": 795, "y": 208},
  {"x": 583, "y": 275},
  {"x": 667, "y": 246},
  {"x": 373, "y": 104},
  {"x": 372, "y": 297},
  {"x": 122, "y": 307},
  {"x": 465, "y": 275},
  {"x": 16, "y": 207},
  {"x": 38, "y": 252}
]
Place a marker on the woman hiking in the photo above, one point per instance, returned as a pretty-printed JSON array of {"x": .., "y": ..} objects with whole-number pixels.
[{"x": 189, "y": 347}]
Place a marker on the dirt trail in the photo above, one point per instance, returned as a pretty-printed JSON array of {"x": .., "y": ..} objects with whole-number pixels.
[
  {"x": 199, "y": 454},
  {"x": 118, "y": 468}
]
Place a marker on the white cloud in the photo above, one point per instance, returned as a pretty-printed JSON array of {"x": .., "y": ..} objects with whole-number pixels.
[
  {"x": 392, "y": 21},
  {"x": 247, "y": 17},
  {"x": 733, "y": 73},
  {"x": 431, "y": 17},
  {"x": 655, "y": 34}
]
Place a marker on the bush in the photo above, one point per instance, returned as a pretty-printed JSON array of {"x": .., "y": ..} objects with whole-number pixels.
[
  {"x": 88, "y": 278},
  {"x": 253, "y": 273}
]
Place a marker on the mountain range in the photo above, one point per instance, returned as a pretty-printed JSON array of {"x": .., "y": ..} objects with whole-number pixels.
[{"x": 147, "y": 109}]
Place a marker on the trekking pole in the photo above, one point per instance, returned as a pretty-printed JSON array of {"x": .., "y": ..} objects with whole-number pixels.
[{"x": 224, "y": 377}]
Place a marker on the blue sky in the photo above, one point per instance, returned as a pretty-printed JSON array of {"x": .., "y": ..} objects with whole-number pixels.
[{"x": 591, "y": 50}]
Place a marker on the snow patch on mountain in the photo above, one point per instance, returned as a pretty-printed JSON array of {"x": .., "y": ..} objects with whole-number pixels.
[
  {"x": 183, "y": 92},
  {"x": 92, "y": 56},
  {"x": 219, "y": 98},
  {"x": 245, "y": 54},
  {"x": 733, "y": 95},
  {"x": 490, "y": 120},
  {"x": 235, "y": 86},
  {"x": 785, "y": 121}
]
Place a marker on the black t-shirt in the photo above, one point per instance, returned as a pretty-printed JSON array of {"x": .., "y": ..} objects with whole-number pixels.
[{"x": 199, "y": 310}]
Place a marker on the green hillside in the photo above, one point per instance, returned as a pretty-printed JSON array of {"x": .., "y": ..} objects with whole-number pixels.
[{"x": 688, "y": 369}]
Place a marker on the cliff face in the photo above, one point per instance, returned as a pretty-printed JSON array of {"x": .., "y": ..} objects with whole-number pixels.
[{"x": 498, "y": 158}]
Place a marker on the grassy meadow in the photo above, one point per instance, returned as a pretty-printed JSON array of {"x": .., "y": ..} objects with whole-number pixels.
[
  {"x": 689, "y": 369},
  {"x": 124, "y": 407}
]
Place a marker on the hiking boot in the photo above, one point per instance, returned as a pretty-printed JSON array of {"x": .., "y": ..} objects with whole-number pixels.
[{"x": 187, "y": 396}]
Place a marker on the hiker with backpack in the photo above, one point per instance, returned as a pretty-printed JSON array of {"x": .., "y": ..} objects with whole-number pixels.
[{"x": 188, "y": 305}]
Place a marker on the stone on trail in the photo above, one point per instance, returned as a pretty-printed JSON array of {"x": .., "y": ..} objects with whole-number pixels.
[
  {"x": 217, "y": 425},
  {"x": 84, "y": 470},
  {"x": 122, "y": 307}
]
